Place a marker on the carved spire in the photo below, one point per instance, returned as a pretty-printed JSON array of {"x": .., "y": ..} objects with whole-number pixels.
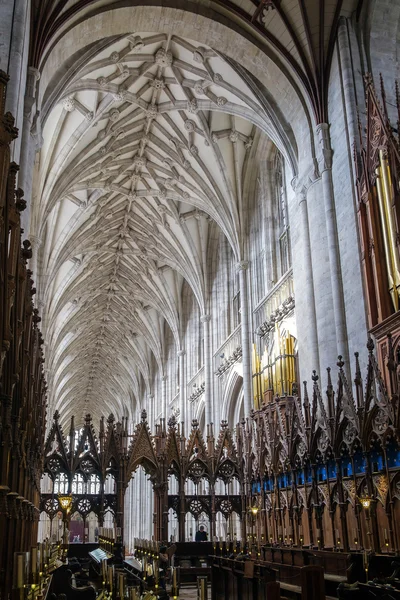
[{"x": 330, "y": 395}]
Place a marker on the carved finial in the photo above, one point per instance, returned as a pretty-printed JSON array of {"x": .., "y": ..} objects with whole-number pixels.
[
  {"x": 314, "y": 377},
  {"x": 88, "y": 419},
  {"x": 20, "y": 203},
  {"x": 383, "y": 91},
  {"x": 111, "y": 419},
  {"x": 143, "y": 415},
  {"x": 195, "y": 424},
  {"x": 398, "y": 107},
  {"x": 56, "y": 415},
  {"x": 172, "y": 422},
  {"x": 370, "y": 345},
  {"x": 27, "y": 249},
  {"x": 340, "y": 362},
  {"x": 224, "y": 424}
]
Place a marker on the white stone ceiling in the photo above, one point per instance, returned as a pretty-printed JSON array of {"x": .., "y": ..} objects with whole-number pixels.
[{"x": 146, "y": 147}]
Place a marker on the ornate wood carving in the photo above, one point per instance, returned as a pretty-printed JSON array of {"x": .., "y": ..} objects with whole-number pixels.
[
  {"x": 22, "y": 384},
  {"x": 305, "y": 470},
  {"x": 378, "y": 168}
]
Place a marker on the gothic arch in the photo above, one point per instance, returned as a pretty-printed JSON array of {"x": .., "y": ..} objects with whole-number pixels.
[{"x": 233, "y": 397}]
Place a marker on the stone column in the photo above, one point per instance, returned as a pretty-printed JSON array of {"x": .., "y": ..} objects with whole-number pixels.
[
  {"x": 333, "y": 243},
  {"x": 30, "y": 143},
  {"x": 208, "y": 399},
  {"x": 182, "y": 386},
  {"x": 164, "y": 408},
  {"x": 269, "y": 226},
  {"x": 308, "y": 282},
  {"x": 36, "y": 242},
  {"x": 347, "y": 76},
  {"x": 242, "y": 268},
  {"x": 151, "y": 411},
  {"x": 19, "y": 29}
]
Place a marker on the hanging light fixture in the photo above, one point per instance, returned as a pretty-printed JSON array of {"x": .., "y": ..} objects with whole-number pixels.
[
  {"x": 254, "y": 510},
  {"x": 65, "y": 503},
  {"x": 365, "y": 502}
]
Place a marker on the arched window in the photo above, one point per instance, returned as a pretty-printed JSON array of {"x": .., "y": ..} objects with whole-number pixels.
[
  {"x": 78, "y": 433},
  {"x": 110, "y": 485},
  {"x": 283, "y": 223},
  {"x": 78, "y": 484},
  {"x": 61, "y": 484},
  {"x": 94, "y": 484}
]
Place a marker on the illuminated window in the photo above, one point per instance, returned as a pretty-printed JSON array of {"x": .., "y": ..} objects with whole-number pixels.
[
  {"x": 61, "y": 484},
  {"x": 78, "y": 484}
]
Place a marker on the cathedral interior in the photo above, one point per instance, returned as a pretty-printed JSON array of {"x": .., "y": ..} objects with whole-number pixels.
[{"x": 200, "y": 299}]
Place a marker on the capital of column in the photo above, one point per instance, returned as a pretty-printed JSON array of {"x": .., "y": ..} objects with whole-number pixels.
[
  {"x": 243, "y": 265},
  {"x": 205, "y": 318},
  {"x": 301, "y": 195},
  {"x": 34, "y": 73},
  {"x": 181, "y": 353},
  {"x": 35, "y": 240}
]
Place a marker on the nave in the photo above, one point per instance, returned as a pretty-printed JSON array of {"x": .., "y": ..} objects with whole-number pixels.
[{"x": 199, "y": 299}]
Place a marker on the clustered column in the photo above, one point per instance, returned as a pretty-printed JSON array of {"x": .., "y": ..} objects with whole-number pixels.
[
  {"x": 164, "y": 396},
  {"x": 308, "y": 280},
  {"x": 242, "y": 268},
  {"x": 182, "y": 386},
  {"x": 209, "y": 404},
  {"x": 332, "y": 240}
]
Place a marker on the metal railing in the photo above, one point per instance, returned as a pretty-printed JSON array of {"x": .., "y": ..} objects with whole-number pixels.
[
  {"x": 276, "y": 304},
  {"x": 229, "y": 352},
  {"x": 196, "y": 386}
]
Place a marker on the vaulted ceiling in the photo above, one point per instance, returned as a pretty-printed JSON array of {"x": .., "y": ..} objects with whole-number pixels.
[
  {"x": 148, "y": 140},
  {"x": 299, "y": 34},
  {"x": 145, "y": 149}
]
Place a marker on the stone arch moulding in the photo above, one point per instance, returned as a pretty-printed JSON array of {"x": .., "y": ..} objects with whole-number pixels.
[
  {"x": 233, "y": 396},
  {"x": 284, "y": 101}
]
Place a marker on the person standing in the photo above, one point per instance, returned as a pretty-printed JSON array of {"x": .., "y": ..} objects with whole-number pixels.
[
  {"x": 164, "y": 566},
  {"x": 201, "y": 535}
]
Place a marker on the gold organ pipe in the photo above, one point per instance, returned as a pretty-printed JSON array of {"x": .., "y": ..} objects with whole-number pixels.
[
  {"x": 292, "y": 365},
  {"x": 258, "y": 380},
  {"x": 289, "y": 352},
  {"x": 387, "y": 189},
  {"x": 382, "y": 211}
]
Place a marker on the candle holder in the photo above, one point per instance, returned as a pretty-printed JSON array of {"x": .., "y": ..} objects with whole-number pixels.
[{"x": 175, "y": 589}]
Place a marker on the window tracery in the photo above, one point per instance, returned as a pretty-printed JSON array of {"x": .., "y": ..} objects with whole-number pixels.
[
  {"x": 61, "y": 484},
  {"x": 94, "y": 484},
  {"x": 78, "y": 484}
]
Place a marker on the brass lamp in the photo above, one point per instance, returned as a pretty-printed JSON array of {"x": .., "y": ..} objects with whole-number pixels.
[
  {"x": 65, "y": 503},
  {"x": 365, "y": 502}
]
